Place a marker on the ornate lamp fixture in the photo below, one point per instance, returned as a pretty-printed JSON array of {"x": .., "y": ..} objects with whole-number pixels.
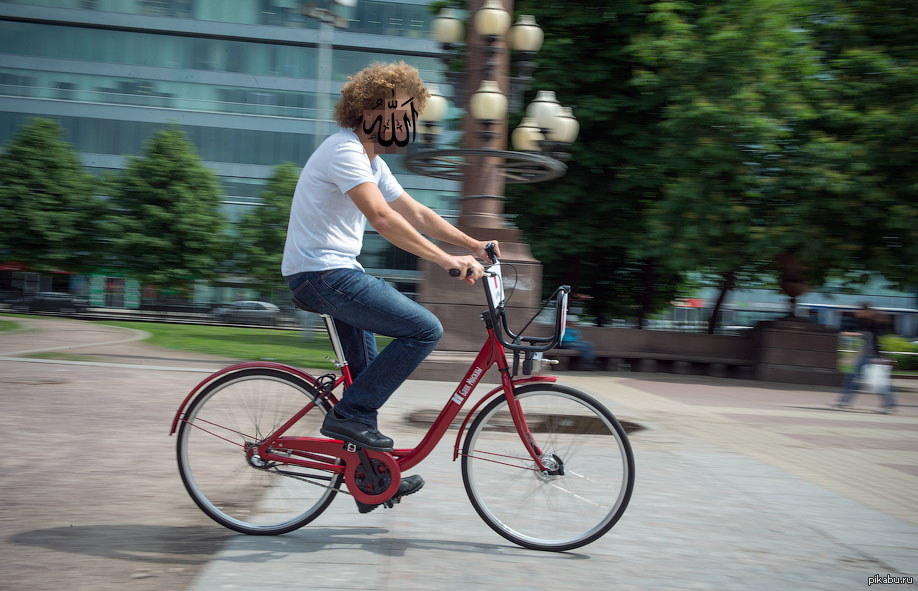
[
  {"x": 558, "y": 126},
  {"x": 488, "y": 105},
  {"x": 544, "y": 134},
  {"x": 433, "y": 114},
  {"x": 448, "y": 30},
  {"x": 525, "y": 40},
  {"x": 491, "y": 22}
]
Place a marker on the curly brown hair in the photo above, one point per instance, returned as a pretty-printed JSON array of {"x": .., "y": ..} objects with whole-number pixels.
[{"x": 362, "y": 90}]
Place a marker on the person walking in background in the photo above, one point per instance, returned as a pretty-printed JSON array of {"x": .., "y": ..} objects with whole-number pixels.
[{"x": 867, "y": 324}]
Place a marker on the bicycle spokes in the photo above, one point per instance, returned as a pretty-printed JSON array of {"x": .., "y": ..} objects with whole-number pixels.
[{"x": 586, "y": 475}]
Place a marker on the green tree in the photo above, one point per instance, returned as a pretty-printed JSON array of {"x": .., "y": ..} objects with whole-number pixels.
[
  {"x": 170, "y": 229},
  {"x": 787, "y": 137},
  {"x": 588, "y": 227},
  {"x": 733, "y": 77},
  {"x": 736, "y": 138},
  {"x": 853, "y": 174},
  {"x": 263, "y": 231},
  {"x": 48, "y": 211}
]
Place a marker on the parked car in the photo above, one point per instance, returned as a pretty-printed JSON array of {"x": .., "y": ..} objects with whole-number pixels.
[
  {"x": 248, "y": 312},
  {"x": 49, "y": 301}
]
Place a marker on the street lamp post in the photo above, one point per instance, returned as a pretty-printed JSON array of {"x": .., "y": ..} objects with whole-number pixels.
[
  {"x": 483, "y": 164},
  {"x": 329, "y": 20}
]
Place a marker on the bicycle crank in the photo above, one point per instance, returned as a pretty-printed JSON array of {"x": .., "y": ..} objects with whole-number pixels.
[{"x": 372, "y": 477}]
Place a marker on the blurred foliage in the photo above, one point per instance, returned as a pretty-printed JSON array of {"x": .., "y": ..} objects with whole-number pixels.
[
  {"x": 587, "y": 227},
  {"x": 852, "y": 182},
  {"x": 718, "y": 135},
  {"x": 49, "y": 215},
  {"x": 263, "y": 231},
  {"x": 167, "y": 228},
  {"x": 900, "y": 345}
]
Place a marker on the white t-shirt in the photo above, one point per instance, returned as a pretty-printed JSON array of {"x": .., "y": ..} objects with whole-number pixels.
[{"x": 326, "y": 228}]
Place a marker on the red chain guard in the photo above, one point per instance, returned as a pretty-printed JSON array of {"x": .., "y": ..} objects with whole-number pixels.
[{"x": 337, "y": 449}]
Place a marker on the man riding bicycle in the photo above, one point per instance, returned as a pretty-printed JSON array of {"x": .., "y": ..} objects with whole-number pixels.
[{"x": 343, "y": 185}]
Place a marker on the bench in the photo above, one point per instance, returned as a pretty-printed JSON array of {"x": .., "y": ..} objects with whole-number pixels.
[{"x": 651, "y": 362}]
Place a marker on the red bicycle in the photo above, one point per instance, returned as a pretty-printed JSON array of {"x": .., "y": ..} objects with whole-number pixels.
[{"x": 546, "y": 466}]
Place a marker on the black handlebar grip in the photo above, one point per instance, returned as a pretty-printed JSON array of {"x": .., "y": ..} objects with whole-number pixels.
[
  {"x": 455, "y": 272},
  {"x": 489, "y": 250}
]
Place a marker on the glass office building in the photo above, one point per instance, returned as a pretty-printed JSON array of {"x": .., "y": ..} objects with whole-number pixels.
[{"x": 252, "y": 83}]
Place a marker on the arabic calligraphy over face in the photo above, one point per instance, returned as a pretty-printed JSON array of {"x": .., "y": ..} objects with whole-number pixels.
[{"x": 392, "y": 122}]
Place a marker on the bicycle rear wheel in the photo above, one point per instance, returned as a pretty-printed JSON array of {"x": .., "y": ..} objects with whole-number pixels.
[
  {"x": 239, "y": 410},
  {"x": 592, "y": 469}
]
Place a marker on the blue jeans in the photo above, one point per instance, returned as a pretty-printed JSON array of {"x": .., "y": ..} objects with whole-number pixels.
[
  {"x": 587, "y": 351},
  {"x": 362, "y": 305},
  {"x": 852, "y": 381}
]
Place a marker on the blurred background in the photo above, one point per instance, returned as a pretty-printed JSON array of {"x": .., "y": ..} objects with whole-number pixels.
[{"x": 738, "y": 161}]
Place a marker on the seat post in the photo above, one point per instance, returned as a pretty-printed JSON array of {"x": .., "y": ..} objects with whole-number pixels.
[{"x": 335, "y": 340}]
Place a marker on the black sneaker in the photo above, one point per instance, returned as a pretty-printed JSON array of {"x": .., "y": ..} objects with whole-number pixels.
[
  {"x": 355, "y": 432},
  {"x": 408, "y": 486}
]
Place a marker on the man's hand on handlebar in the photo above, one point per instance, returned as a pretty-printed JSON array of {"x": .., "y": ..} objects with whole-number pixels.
[
  {"x": 468, "y": 268},
  {"x": 482, "y": 253}
]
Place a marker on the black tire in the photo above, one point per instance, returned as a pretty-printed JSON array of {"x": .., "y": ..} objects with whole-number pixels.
[
  {"x": 213, "y": 464},
  {"x": 554, "y": 512}
]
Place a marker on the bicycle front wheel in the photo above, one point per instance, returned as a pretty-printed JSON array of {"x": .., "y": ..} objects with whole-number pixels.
[
  {"x": 230, "y": 415},
  {"x": 590, "y": 466}
]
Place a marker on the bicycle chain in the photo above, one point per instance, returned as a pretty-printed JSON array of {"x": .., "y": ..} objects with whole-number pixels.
[{"x": 310, "y": 481}]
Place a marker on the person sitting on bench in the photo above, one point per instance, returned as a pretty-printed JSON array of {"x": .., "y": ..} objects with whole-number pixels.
[{"x": 574, "y": 340}]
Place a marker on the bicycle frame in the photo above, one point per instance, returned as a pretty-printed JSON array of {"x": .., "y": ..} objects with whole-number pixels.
[{"x": 321, "y": 454}]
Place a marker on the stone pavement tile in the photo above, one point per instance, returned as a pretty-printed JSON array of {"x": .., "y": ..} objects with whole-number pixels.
[
  {"x": 888, "y": 443},
  {"x": 773, "y": 418},
  {"x": 907, "y": 468},
  {"x": 43, "y": 333},
  {"x": 843, "y": 466}
]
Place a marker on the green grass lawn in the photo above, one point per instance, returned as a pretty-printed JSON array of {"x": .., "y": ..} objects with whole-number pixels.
[
  {"x": 7, "y": 325},
  {"x": 62, "y": 356},
  {"x": 283, "y": 346}
]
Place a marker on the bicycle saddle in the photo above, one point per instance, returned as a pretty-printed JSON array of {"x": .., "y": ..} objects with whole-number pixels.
[{"x": 298, "y": 304}]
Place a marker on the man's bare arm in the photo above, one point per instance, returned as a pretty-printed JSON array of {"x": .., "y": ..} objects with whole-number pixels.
[
  {"x": 392, "y": 226},
  {"x": 427, "y": 221}
]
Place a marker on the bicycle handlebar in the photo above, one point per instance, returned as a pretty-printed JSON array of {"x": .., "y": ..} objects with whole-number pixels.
[
  {"x": 497, "y": 310},
  {"x": 489, "y": 250}
]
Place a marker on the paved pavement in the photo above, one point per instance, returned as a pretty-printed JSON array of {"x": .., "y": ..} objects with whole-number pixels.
[{"x": 740, "y": 485}]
